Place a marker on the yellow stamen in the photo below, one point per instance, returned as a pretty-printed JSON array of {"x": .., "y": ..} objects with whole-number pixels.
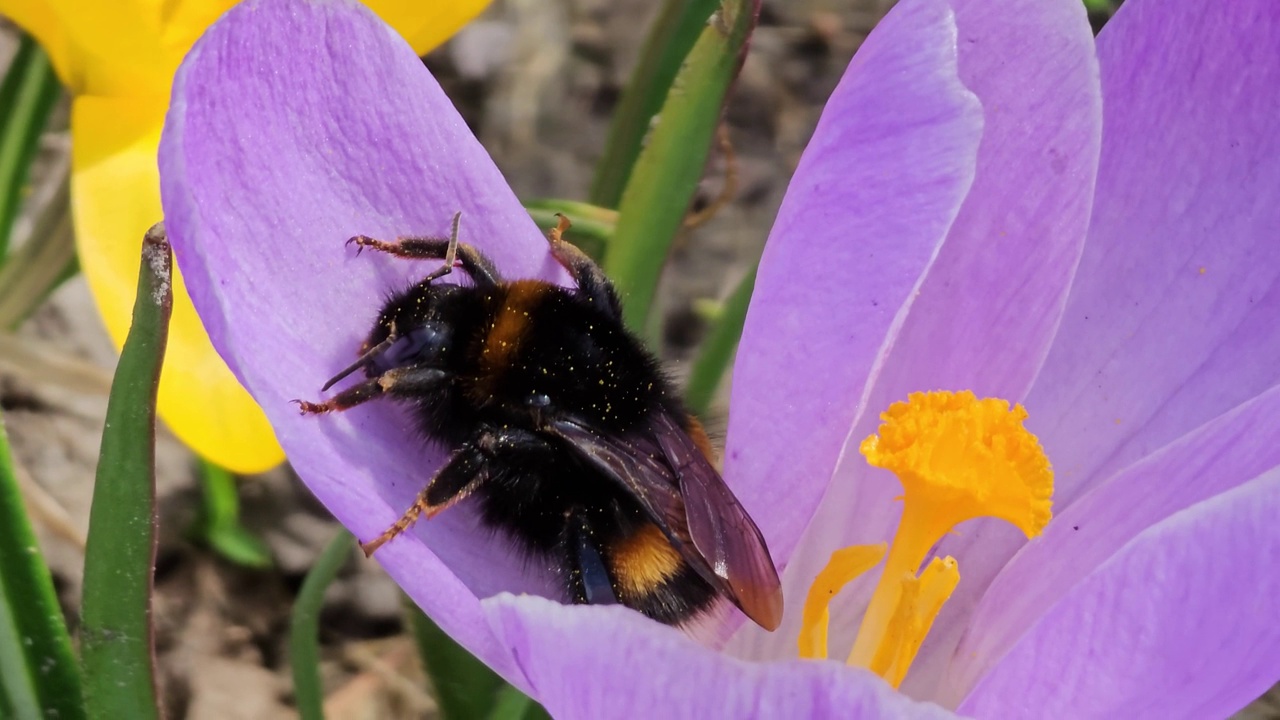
[
  {"x": 958, "y": 458},
  {"x": 845, "y": 565},
  {"x": 920, "y": 602}
]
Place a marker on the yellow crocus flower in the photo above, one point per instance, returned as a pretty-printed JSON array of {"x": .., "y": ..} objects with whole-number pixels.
[{"x": 118, "y": 60}]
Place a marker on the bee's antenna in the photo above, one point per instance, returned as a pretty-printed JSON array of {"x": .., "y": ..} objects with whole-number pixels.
[{"x": 363, "y": 359}]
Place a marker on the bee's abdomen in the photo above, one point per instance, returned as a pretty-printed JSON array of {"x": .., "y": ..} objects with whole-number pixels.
[{"x": 650, "y": 576}]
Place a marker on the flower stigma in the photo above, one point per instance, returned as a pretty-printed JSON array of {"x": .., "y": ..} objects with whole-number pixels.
[{"x": 958, "y": 458}]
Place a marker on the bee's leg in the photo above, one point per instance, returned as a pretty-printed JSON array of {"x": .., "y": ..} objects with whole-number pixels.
[
  {"x": 588, "y": 579},
  {"x": 349, "y": 398},
  {"x": 448, "y": 249},
  {"x": 408, "y": 381},
  {"x": 460, "y": 476},
  {"x": 590, "y": 279},
  {"x": 496, "y": 442}
]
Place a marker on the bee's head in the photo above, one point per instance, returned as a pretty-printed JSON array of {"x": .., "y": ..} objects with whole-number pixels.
[{"x": 415, "y": 327}]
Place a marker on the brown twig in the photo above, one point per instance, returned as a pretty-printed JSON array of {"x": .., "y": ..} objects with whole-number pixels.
[{"x": 728, "y": 189}]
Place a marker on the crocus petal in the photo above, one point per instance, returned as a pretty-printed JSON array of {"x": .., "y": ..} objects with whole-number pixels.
[
  {"x": 639, "y": 669},
  {"x": 990, "y": 306},
  {"x": 1172, "y": 320},
  {"x": 427, "y": 24},
  {"x": 1150, "y": 347},
  {"x": 423, "y": 23},
  {"x": 988, "y": 309},
  {"x": 1213, "y": 459},
  {"x": 42, "y": 22},
  {"x": 873, "y": 196},
  {"x": 1180, "y": 623},
  {"x": 102, "y": 48},
  {"x": 115, "y": 198},
  {"x": 264, "y": 174},
  {"x": 131, "y": 47}
]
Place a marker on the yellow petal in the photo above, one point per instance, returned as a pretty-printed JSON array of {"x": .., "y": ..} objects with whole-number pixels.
[
  {"x": 181, "y": 23},
  {"x": 43, "y": 23},
  {"x": 115, "y": 198},
  {"x": 100, "y": 48},
  {"x": 131, "y": 47},
  {"x": 427, "y": 24}
]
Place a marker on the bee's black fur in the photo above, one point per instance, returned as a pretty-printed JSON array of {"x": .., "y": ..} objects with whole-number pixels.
[
  {"x": 571, "y": 357},
  {"x": 564, "y": 430}
]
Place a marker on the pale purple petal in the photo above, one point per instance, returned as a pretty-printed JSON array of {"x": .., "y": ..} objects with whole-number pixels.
[
  {"x": 877, "y": 189},
  {"x": 1150, "y": 347},
  {"x": 295, "y": 125},
  {"x": 989, "y": 307},
  {"x": 1173, "y": 318},
  {"x": 606, "y": 662},
  {"x": 991, "y": 304},
  {"x": 1179, "y": 623},
  {"x": 1213, "y": 459}
]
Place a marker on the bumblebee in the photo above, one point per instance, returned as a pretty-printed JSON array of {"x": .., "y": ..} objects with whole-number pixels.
[{"x": 564, "y": 432}]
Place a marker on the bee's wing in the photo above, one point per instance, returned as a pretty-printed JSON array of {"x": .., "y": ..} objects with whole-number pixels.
[
  {"x": 637, "y": 465},
  {"x": 678, "y": 487},
  {"x": 720, "y": 527}
]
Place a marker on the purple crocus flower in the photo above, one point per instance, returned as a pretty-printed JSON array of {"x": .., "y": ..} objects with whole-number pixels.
[{"x": 990, "y": 202}]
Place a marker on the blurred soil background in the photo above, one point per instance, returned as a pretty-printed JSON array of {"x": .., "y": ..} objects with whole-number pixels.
[{"x": 537, "y": 80}]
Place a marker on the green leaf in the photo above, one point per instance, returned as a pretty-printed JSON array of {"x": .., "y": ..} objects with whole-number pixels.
[
  {"x": 38, "y": 674},
  {"x": 220, "y": 526},
  {"x": 465, "y": 688},
  {"x": 42, "y": 263},
  {"x": 240, "y": 546},
  {"x": 511, "y": 704},
  {"x": 592, "y": 228},
  {"x": 304, "y": 627},
  {"x": 116, "y": 641},
  {"x": 717, "y": 350},
  {"x": 673, "y": 159},
  {"x": 27, "y": 95},
  {"x": 670, "y": 39}
]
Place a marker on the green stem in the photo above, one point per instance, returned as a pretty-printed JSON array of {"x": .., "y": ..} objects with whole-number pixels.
[
  {"x": 511, "y": 704},
  {"x": 220, "y": 526},
  {"x": 117, "y": 643},
  {"x": 717, "y": 350},
  {"x": 673, "y": 159},
  {"x": 38, "y": 674},
  {"x": 39, "y": 265},
  {"x": 672, "y": 37},
  {"x": 304, "y": 628},
  {"x": 27, "y": 96},
  {"x": 465, "y": 688}
]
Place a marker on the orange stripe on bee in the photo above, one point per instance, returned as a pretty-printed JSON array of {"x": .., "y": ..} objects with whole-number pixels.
[
  {"x": 701, "y": 440},
  {"x": 643, "y": 561},
  {"x": 510, "y": 325}
]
